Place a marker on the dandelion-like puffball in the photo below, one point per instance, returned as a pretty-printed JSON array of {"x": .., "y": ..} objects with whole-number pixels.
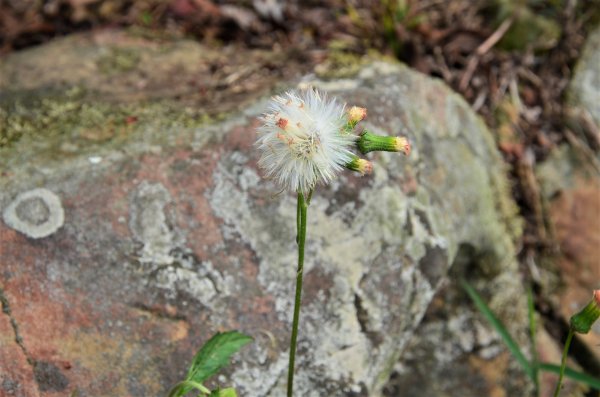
[{"x": 303, "y": 140}]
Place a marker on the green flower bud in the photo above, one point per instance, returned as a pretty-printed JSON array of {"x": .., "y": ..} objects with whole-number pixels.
[
  {"x": 368, "y": 142},
  {"x": 582, "y": 322}
]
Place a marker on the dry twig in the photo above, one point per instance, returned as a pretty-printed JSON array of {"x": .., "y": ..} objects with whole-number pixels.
[{"x": 481, "y": 50}]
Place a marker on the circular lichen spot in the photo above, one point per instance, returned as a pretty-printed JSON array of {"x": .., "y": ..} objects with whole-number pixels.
[
  {"x": 36, "y": 213},
  {"x": 33, "y": 211}
]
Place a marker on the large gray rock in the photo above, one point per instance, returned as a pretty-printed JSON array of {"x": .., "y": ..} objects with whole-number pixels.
[{"x": 170, "y": 234}]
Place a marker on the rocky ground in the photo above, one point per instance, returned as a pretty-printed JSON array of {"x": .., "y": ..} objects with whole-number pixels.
[{"x": 134, "y": 219}]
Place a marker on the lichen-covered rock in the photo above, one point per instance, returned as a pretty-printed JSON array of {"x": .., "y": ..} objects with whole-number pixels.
[
  {"x": 455, "y": 351},
  {"x": 170, "y": 235}
]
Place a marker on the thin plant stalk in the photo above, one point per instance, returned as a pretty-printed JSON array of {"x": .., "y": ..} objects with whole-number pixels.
[
  {"x": 300, "y": 239},
  {"x": 563, "y": 362}
]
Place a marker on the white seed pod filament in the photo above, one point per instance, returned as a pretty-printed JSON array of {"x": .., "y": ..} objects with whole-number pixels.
[{"x": 303, "y": 140}]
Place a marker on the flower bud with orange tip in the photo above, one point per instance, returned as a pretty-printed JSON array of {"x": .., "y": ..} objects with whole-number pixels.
[
  {"x": 402, "y": 145},
  {"x": 582, "y": 322},
  {"x": 362, "y": 166},
  {"x": 356, "y": 114}
]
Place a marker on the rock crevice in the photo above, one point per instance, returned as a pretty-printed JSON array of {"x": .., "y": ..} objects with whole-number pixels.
[{"x": 15, "y": 327}]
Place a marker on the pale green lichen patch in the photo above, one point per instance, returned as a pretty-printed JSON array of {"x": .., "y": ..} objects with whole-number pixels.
[
  {"x": 151, "y": 224},
  {"x": 163, "y": 254},
  {"x": 342, "y": 63},
  {"x": 119, "y": 60},
  {"x": 46, "y": 127}
]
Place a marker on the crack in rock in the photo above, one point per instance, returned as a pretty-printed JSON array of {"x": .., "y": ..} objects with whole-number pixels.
[
  {"x": 47, "y": 375},
  {"x": 167, "y": 312},
  {"x": 362, "y": 315},
  {"x": 13, "y": 323}
]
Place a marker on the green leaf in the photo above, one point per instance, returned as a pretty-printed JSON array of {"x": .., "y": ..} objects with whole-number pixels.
[
  {"x": 571, "y": 373},
  {"x": 215, "y": 354},
  {"x": 182, "y": 388},
  {"x": 177, "y": 390},
  {"x": 229, "y": 392},
  {"x": 146, "y": 18},
  {"x": 502, "y": 331}
]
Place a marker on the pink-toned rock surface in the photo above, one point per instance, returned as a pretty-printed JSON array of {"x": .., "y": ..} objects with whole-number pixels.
[
  {"x": 571, "y": 186},
  {"x": 17, "y": 378},
  {"x": 170, "y": 235},
  {"x": 84, "y": 311}
]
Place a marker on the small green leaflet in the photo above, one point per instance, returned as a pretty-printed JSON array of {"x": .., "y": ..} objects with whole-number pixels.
[
  {"x": 229, "y": 392},
  {"x": 215, "y": 354},
  {"x": 182, "y": 388},
  {"x": 212, "y": 357}
]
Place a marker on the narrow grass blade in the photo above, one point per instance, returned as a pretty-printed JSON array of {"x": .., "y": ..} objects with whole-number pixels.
[
  {"x": 571, "y": 373},
  {"x": 499, "y": 327},
  {"x": 532, "y": 333}
]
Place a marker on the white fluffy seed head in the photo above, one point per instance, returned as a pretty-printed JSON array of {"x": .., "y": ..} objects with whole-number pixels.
[{"x": 303, "y": 140}]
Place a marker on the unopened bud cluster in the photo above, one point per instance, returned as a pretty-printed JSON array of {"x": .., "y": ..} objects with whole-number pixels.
[
  {"x": 306, "y": 138},
  {"x": 369, "y": 142}
]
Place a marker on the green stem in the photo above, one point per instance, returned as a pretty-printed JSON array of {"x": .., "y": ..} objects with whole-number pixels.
[
  {"x": 300, "y": 239},
  {"x": 298, "y": 218},
  {"x": 183, "y": 388},
  {"x": 563, "y": 362}
]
